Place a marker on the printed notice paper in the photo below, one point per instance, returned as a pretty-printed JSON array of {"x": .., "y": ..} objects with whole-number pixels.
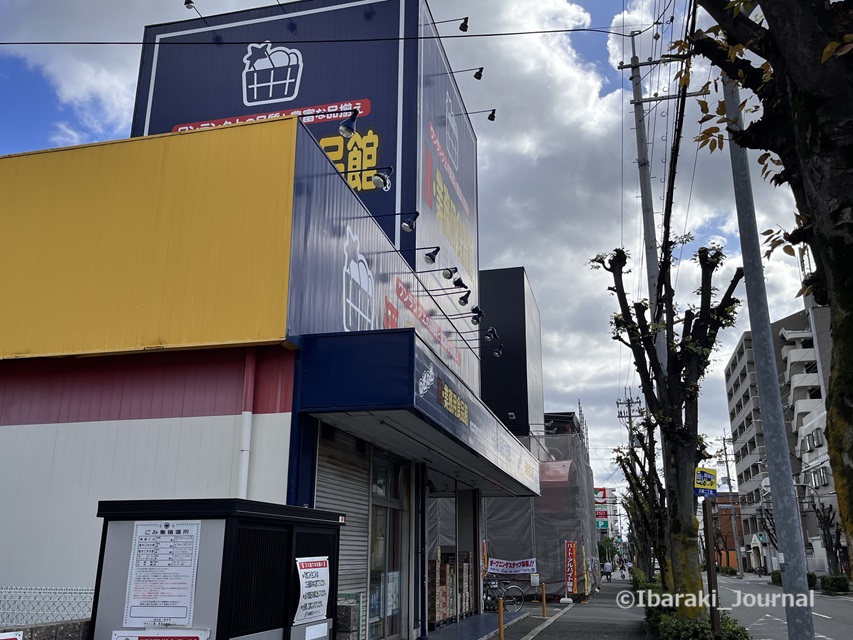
[{"x": 161, "y": 580}]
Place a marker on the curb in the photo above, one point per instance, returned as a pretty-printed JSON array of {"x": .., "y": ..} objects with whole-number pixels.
[
  {"x": 492, "y": 634},
  {"x": 535, "y": 632}
]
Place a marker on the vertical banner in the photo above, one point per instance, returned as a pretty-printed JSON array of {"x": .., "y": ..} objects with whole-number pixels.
[
  {"x": 585, "y": 572},
  {"x": 484, "y": 558},
  {"x": 571, "y": 567}
]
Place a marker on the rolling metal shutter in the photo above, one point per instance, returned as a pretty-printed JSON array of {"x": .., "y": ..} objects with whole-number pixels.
[{"x": 343, "y": 486}]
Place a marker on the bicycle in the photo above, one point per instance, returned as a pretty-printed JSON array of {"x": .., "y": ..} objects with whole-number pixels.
[{"x": 512, "y": 595}]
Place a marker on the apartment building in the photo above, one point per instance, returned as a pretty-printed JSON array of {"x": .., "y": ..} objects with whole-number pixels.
[
  {"x": 802, "y": 346},
  {"x": 748, "y": 443}
]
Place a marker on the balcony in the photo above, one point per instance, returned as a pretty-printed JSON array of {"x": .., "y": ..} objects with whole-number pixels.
[
  {"x": 747, "y": 434},
  {"x": 793, "y": 356},
  {"x": 753, "y": 457},
  {"x": 802, "y": 409},
  {"x": 803, "y": 381},
  {"x": 737, "y": 412}
]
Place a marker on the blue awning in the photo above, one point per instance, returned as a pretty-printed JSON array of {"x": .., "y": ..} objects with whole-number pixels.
[{"x": 390, "y": 388}]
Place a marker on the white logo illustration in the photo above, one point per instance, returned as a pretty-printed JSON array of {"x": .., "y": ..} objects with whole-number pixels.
[
  {"x": 426, "y": 381},
  {"x": 452, "y": 132},
  {"x": 358, "y": 287},
  {"x": 271, "y": 74}
]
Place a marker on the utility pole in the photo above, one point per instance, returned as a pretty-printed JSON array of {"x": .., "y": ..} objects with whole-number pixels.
[
  {"x": 786, "y": 512},
  {"x": 736, "y": 519},
  {"x": 643, "y": 166},
  {"x": 626, "y": 415}
]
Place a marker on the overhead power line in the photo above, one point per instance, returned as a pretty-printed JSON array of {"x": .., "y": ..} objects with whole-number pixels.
[{"x": 323, "y": 41}]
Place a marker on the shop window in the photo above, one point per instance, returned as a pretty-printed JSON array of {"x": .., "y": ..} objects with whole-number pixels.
[{"x": 386, "y": 478}]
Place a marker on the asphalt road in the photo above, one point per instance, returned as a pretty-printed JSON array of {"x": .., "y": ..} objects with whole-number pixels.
[{"x": 765, "y": 619}]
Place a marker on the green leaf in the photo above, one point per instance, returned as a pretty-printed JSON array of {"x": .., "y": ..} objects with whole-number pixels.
[
  {"x": 789, "y": 250},
  {"x": 829, "y": 50}
]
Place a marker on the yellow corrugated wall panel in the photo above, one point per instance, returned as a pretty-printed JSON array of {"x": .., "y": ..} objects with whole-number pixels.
[{"x": 166, "y": 241}]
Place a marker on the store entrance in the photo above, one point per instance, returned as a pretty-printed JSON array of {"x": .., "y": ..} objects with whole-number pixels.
[{"x": 385, "y": 610}]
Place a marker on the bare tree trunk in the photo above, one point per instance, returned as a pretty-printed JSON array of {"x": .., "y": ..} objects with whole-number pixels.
[
  {"x": 683, "y": 525},
  {"x": 829, "y": 193}
]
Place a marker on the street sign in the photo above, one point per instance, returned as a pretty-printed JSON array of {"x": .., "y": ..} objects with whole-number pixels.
[
  {"x": 601, "y": 524},
  {"x": 705, "y": 482}
]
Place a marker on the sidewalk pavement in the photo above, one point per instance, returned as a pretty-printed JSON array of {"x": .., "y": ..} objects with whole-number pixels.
[{"x": 600, "y": 618}]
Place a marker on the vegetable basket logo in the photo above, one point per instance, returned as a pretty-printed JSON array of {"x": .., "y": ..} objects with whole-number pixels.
[
  {"x": 271, "y": 74},
  {"x": 358, "y": 287}
]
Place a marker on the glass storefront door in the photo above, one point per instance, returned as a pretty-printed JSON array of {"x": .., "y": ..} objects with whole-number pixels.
[{"x": 385, "y": 605}]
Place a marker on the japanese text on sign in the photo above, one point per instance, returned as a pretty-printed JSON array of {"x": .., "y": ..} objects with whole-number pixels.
[
  {"x": 417, "y": 309},
  {"x": 313, "y": 589},
  {"x": 162, "y": 575},
  {"x": 308, "y": 115},
  {"x": 512, "y": 567},
  {"x": 451, "y": 223},
  {"x": 705, "y": 482},
  {"x": 452, "y": 403},
  {"x": 571, "y": 567},
  {"x": 444, "y": 163},
  {"x": 362, "y": 157}
]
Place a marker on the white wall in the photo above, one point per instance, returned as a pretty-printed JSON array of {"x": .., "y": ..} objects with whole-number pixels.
[
  {"x": 269, "y": 457},
  {"x": 52, "y": 477}
]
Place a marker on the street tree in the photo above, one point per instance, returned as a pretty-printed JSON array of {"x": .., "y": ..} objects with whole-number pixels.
[
  {"x": 641, "y": 543},
  {"x": 638, "y": 463},
  {"x": 795, "y": 57},
  {"x": 671, "y": 387},
  {"x": 825, "y": 514},
  {"x": 607, "y": 550}
]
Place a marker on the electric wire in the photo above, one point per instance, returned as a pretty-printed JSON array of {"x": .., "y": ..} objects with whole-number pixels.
[
  {"x": 689, "y": 200},
  {"x": 6, "y": 43}
]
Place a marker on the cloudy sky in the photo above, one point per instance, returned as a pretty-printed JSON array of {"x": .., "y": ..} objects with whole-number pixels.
[{"x": 558, "y": 171}]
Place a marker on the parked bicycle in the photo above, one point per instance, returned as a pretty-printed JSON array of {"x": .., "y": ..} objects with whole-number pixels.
[{"x": 512, "y": 595}]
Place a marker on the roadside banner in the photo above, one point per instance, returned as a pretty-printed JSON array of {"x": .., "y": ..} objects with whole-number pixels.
[
  {"x": 571, "y": 567},
  {"x": 512, "y": 567}
]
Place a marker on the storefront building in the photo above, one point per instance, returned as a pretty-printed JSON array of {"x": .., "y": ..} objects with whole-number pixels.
[{"x": 221, "y": 312}]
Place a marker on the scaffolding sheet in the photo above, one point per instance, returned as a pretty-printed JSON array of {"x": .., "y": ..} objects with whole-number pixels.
[{"x": 519, "y": 528}]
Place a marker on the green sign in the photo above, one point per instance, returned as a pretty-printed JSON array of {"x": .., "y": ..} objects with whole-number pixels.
[{"x": 601, "y": 524}]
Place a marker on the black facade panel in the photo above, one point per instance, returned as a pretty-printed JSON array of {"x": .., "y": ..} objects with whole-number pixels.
[
  {"x": 346, "y": 371},
  {"x": 504, "y": 384}
]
